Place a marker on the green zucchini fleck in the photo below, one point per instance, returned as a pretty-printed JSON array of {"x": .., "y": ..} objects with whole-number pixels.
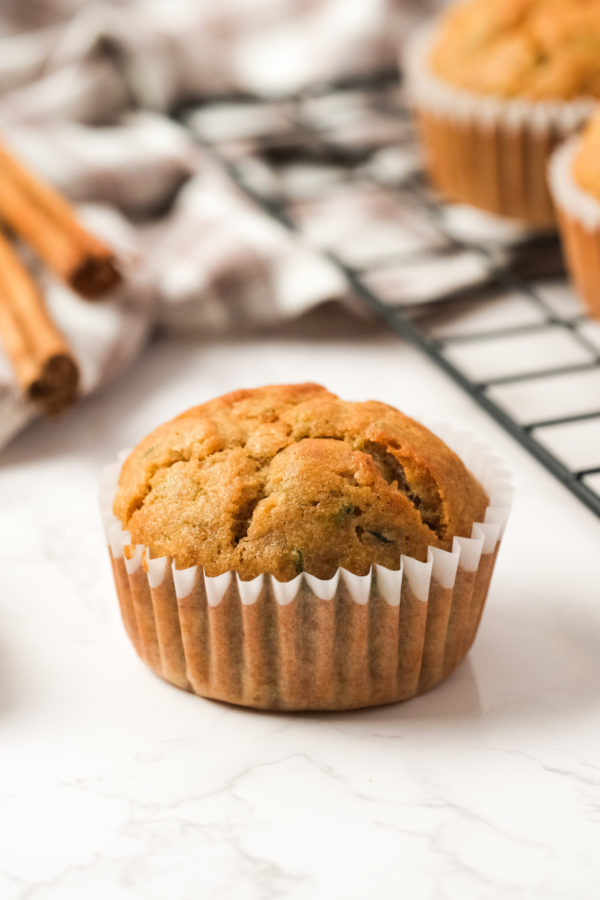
[
  {"x": 381, "y": 537},
  {"x": 298, "y": 558},
  {"x": 342, "y": 513}
]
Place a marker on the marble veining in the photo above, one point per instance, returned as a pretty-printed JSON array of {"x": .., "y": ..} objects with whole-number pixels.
[{"x": 114, "y": 784}]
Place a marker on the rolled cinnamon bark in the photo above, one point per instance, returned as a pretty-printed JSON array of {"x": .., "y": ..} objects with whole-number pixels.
[
  {"x": 49, "y": 223},
  {"x": 41, "y": 358}
]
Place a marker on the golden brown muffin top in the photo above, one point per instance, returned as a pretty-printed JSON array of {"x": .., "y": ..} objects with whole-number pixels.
[
  {"x": 586, "y": 165},
  {"x": 537, "y": 49},
  {"x": 290, "y": 478}
]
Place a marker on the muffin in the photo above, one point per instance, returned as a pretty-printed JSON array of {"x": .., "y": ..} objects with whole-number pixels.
[
  {"x": 285, "y": 549},
  {"x": 495, "y": 87},
  {"x": 574, "y": 176}
]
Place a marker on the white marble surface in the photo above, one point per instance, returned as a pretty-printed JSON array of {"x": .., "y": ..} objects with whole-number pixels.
[{"x": 116, "y": 785}]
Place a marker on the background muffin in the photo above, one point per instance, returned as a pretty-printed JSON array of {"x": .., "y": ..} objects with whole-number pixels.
[
  {"x": 586, "y": 159},
  {"x": 495, "y": 86},
  {"x": 283, "y": 548},
  {"x": 534, "y": 49},
  {"x": 575, "y": 183}
]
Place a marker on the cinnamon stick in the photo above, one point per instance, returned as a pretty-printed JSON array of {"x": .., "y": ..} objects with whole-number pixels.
[
  {"x": 41, "y": 358},
  {"x": 49, "y": 223}
]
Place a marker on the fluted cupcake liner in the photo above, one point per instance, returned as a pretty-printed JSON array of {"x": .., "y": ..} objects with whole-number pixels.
[
  {"x": 337, "y": 643},
  {"x": 489, "y": 152},
  {"x": 579, "y": 223}
]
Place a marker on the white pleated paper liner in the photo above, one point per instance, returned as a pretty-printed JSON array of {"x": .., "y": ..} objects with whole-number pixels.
[
  {"x": 311, "y": 643},
  {"x": 566, "y": 192},
  {"x": 561, "y": 117}
]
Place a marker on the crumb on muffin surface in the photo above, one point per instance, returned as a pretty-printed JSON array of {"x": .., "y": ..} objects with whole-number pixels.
[
  {"x": 535, "y": 49},
  {"x": 290, "y": 478},
  {"x": 586, "y": 164}
]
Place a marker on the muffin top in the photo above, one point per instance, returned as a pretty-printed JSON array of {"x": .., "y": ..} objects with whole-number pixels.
[
  {"x": 586, "y": 165},
  {"x": 291, "y": 478},
  {"x": 537, "y": 49}
]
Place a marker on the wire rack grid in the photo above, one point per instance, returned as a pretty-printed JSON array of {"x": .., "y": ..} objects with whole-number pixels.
[{"x": 492, "y": 307}]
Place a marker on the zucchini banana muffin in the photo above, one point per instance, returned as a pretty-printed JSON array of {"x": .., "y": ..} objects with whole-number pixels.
[
  {"x": 534, "y": 49},
  {"x": 283, "y": 548},
  {"x": 575, "y": 185},
  {"x": 586, "y": 159},
  {"x": 290, "y": 478},
  {"x": 496, "y": 86}
]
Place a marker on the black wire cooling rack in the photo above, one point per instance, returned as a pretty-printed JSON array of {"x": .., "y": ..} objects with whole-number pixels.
[{"x": 340, "y": 166}]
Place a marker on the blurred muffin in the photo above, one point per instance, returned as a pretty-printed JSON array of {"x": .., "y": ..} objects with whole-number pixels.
[
  {"x": 495, "y": 87},
  {"x": 586, "y": 160},
  {"x": 574, "y": 176},
  {"x": 257, "y": 543}
]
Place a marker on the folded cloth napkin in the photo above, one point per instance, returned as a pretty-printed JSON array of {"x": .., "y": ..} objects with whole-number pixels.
[{"x": 121, "y": 106}]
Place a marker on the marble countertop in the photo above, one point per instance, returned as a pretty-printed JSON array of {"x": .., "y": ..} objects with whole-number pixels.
[{"x": 115, "y": 785}]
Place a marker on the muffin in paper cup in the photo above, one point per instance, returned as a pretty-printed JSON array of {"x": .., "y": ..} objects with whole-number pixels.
[
  {"x": 312, "y": 643},
  {"x": 488, "y": 151},
  {"x": 578, "y": 213}
]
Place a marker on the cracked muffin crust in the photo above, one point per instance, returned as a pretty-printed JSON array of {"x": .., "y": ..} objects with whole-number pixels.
[
  {"x": 290, "y": 478},
  {"x": 538, "y": 49}
]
